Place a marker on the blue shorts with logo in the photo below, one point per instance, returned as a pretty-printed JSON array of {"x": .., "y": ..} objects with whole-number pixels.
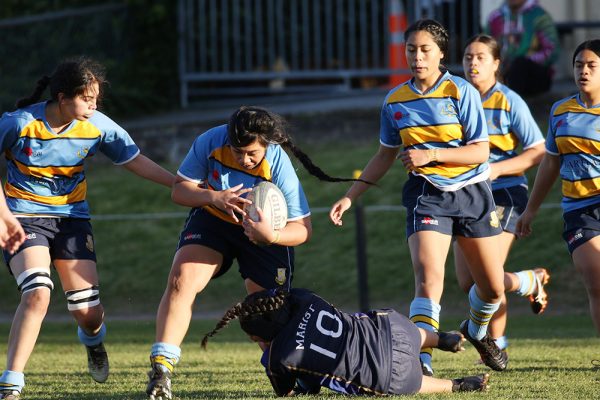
[
  {"x": 469, "y": 211},
  {"x": 510, "y": 204},
  {"x": 581, "y": 225},
  {"x": 268, "y": 266},
  {"x": 66, "y": 238}
]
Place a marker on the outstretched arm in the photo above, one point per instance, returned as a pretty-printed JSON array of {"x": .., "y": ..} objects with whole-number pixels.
[
  {"x": 11, "y": 232},
  {"x": 146, "y": 168}
]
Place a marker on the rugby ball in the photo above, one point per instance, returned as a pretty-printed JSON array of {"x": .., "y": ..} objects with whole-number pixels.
[{"x": 270, "y": 200}]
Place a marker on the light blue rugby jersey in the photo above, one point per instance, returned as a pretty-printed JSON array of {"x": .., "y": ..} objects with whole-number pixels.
[
  {"x": 510, "y": 125},
  {"x": 46, "y": 170},
  {"x": 210, "y": 162},
  {"x": 449, "y": 115},
  {"x": 574, "y": 135}
]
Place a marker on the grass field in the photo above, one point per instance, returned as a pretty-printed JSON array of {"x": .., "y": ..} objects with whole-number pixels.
[
  {"x": 550, "y": 358},
  {"x": 550, "y": 355}
]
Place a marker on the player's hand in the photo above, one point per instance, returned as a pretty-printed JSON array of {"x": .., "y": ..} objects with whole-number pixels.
[
  {"x": 523, "y": 228},
  {"x": 494, "y": 172},
  {"x": 258, "y": 232},
  {"x": 231, "y": 202},
  {"x": 11, "y": 232},
  {"x": 338, "y": 209},
  {"x": 414, "y": 158}
]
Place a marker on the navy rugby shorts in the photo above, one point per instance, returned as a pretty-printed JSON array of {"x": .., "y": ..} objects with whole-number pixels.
[
  {"x": 407, "y": 374},
  {"x": 469, "y": 211},
  {"x": 510, "y": 204},
  {"x": 66, "y": 238},
  {"x": 581, "y": 225},
  {"x": 268, "y": 266}
]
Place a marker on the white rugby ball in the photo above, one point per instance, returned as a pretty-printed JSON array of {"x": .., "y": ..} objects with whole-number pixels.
[{"x": 270, "y": 200}]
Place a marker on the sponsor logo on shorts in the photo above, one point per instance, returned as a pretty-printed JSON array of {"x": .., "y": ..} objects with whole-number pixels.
[
  {"x": 430, "y": 221},
  {"x": 30, "y": 236},
  {"x": 575, "y": 237},
  {"x": 494, "y": 221},
  {"x": 192, "y": 236},
  {"x": 89, "y": 243},
  {"x": 281, "y": 278}
]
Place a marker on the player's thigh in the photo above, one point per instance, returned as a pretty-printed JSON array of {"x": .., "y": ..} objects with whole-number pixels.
[
  {"x": 586, "y": 258},
  {"x": 484, "y": 263},
  {"x": 76, "y": 274},
  {"x": 252, "y": 287},
  {"x": 193, "y": 267},
  {"x": 428, "y": 251},
  {"x": 30, "y": 257}
]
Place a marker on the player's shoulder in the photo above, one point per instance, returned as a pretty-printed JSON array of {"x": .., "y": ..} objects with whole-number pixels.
[{"x": 23, "y": 116}]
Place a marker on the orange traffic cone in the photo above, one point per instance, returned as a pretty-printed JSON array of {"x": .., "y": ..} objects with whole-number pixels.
[{"x": 397, "y": 26}]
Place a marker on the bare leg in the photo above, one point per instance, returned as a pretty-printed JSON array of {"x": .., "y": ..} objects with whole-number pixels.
[{"x": 585, "y": 258}]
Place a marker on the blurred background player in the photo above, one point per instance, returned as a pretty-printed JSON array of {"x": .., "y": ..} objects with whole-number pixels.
[
  {"x": 46, "y": 144},
  {"x": 510, "y": 126},
  {"x": 529, "y": 42},
  {"x": 311, "y": 344},
  {"x": 572, "y": 152},
  {"x": 438, "y": 119},
  {"x": 223, "y": 165}
]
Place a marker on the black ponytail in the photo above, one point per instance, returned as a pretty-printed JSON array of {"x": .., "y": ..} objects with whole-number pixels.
[{"x": 35, "y": 97}]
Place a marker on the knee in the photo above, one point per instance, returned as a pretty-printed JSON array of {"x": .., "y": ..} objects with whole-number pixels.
[
  {"x": 85, "y": 306},
  {"x": 36, "y": 300},
  {"x": 35, "y": 286}
]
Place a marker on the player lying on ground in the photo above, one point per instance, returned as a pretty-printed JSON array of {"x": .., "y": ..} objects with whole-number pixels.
[{"x": 313, "y": 344}]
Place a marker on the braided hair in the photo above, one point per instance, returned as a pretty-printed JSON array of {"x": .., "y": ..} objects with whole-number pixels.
[
  {"x": 71, "y": 77},
  {"x": 249, "y": 124},
  {"x": 261, "y": 314}
]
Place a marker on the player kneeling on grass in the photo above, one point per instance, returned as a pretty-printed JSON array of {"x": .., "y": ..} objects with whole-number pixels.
[{"x": 311, "y": 344}]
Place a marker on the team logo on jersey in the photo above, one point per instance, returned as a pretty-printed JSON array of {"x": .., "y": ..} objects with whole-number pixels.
[
  {"x": 83, "y": 152},
  {"x": 429, "y": 221},
  {"x": 493, "y": 124},
  {"x": 448, "y": 109},
  {"x": 494, "y": 221},
  {"x": 398, "y": 115},
  {"x": 281, "y": 278},
  {"x": 89, "y": 243}
]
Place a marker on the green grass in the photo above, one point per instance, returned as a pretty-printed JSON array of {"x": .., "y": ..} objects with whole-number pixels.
[
  {"x": 134, "y": 256},
  {"x": 550, "y": 358}
]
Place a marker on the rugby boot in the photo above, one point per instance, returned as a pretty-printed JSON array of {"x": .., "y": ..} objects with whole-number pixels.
[
  {"x": 97, "y": 362},
  {"x": 487, "y": 348}
]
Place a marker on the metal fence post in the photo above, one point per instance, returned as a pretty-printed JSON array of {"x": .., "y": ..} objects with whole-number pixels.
[{"x": 361, "y": 253}]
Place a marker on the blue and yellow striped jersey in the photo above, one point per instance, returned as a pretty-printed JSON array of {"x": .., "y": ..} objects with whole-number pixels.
[
  {"x": 210, "y": 162},
  {"x": 510, "y": 125},
  {"x": 46, "y": 170},
  {"x": 449, "y": 115},
  {"x": 574, "y": 135}
]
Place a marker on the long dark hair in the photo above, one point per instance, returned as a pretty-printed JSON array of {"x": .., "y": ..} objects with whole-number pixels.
[
  {"x": 71, "y": 77},
  {"x": 591, "y": 45},
  {"x": 249, "y": 124},
  {"x": 261, "y": 314}
]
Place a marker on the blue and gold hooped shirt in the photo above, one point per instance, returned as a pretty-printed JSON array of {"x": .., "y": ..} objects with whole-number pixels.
[
  {"x": 46, "y": 170},
  {"x": 449, "y": 115},
  {"x": 210, "y": 162},
  {"x": 574, "y": 135}
]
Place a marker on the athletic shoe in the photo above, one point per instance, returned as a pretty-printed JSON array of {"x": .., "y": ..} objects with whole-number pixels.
[
  {"x": 539, "y": 297},
  {"x": 159, "y": 385},
  {"x": 451, "y": 341},
  {"x": 487, "y": 348},
  {"x": 480, "y": 361},
  {"x": 471, "y": 383},
  {"x": 426, "y": 368},
  {"x": 10, "y": 395},
  {"x": 97, "y": 362}
]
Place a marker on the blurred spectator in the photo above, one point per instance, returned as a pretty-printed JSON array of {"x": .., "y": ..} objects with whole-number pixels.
[{"x": 529, "y": 41}]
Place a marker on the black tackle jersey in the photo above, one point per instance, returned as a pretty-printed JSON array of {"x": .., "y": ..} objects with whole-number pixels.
[{"x": 322, "y": 346}]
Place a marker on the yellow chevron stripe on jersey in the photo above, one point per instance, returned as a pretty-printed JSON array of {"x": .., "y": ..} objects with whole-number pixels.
[
  {"x": 81, "y": 130},
  {"x": 446, "y": 169},
  {"x": 425, "y": 319},
  {"x": 497, "y": 101},
  {"x": 405, "y": 94},
  {"x": 224, "y": 155},
  {"x": 47, "y": 172},
  {"x": 571, "y": 144},
  {"x": 504, "y": 142},
  {"x": 573, "y": 106},
  {"x": 425, "y": 134},
  {"x": 581, "y": 189},
  {"x": 78, "y": 194}
]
